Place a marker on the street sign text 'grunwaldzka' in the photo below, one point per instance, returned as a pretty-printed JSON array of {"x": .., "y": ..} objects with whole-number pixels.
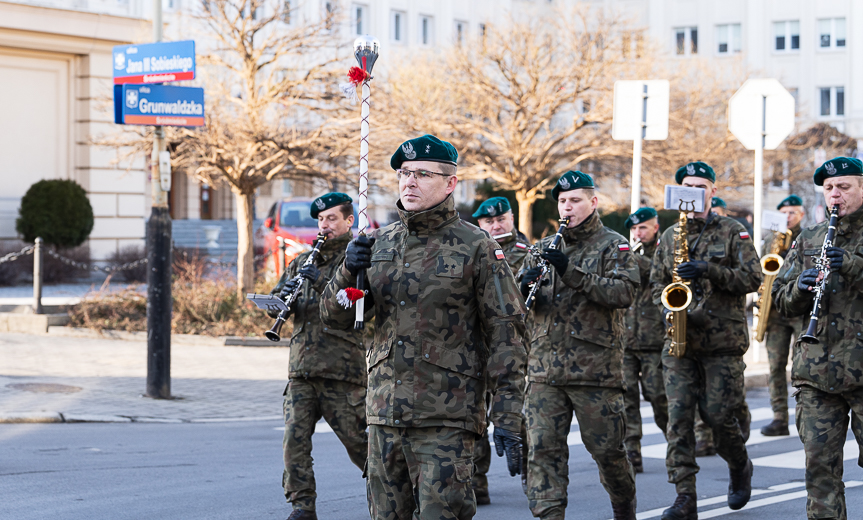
[
  {"x": 158, "y": 105},
  {"x": 161, "y": 62}
]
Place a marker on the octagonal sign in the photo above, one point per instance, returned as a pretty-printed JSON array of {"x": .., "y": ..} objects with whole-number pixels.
[{"x": 761, "y": 107}]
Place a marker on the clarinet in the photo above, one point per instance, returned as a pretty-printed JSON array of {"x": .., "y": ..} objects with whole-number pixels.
[
  {"x": 289, "y": 299},
  {"x": 823, "y": 264},
  {"x": 544, "y": 264}
]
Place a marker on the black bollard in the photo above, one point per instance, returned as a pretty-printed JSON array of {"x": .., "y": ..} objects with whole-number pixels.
[{"x": 159, "y": 304}]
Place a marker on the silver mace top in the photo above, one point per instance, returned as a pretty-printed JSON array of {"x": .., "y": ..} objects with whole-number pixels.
[{"x": 366, "y": 49}]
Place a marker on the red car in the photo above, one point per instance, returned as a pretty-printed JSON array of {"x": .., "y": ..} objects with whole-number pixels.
[{"x": 290, "y": 219}]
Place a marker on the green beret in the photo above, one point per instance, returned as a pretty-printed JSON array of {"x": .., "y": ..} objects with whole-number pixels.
[
  {"x": 716, "y": 202},
  {"x": 640, "y": 216},
  {"x": 791, "y": 200},
  {"x": 327, "y": 201},
  {"x": 695, "y": 169},
  {"x": 572, "y": 180},
  {"x": 425, "y": 148},
  {"x": 493, "y": 207},
  {"x": 838, "y": 167}
]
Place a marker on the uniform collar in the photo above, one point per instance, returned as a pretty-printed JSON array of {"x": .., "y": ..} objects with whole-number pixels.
[
  {"x": 650, "y": 248},
  {"x": 591, "y": 225},
  {"x": 424, "y": 222},
  {"x": 333, "y": 247},
  {"x": 795, "y": 230},
  {"x": 850, "y": 222}
]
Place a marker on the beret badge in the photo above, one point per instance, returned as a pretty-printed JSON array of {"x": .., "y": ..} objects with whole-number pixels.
[{"x": 410, "y": 153}]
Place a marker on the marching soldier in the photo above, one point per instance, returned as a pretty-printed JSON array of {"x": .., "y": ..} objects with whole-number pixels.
[
  {"x": 828, "y": 375},
  {"x": 719, "y": 207},
  {"x": 779, "y": 333},
  {"x": 645, "y": 336},
  {"x": 576, "y": 354},
  {"x": 495, "y": 217},
  {"x": 328, "y": 367},
  {"x": 448, "y": 322},
  {"x": 723, "y": 267}
]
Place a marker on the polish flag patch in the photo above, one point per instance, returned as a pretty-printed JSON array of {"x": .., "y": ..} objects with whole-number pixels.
[
  {"x": 623, "y": 247},
  {"x": 520, "y": 245},
  {"x": 744, "y": 235},
  {"x": 498, "y": 253}
]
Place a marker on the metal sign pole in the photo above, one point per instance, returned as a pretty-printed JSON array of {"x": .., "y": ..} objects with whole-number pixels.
[
  {"x": 635, "y": 201},
  {"x": 159, "y": 300},
  {"x": 759, "y": 178}
]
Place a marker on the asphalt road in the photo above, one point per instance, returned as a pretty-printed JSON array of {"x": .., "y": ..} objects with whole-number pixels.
[{"x": 233, "y": 471}]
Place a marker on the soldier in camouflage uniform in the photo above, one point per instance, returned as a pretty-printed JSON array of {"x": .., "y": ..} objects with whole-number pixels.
[
  {"x": 575, "y": 361},
  {"x": 723, "y": 268},
  {"x": 494, "y": 216},
  {"x": 828, "y": 375},
  {"x": 448, "y": 322},
  {"x": 780, "y": 331},
  {"x": 328, "y": 366},
  {"x": 645, "y": 336}
]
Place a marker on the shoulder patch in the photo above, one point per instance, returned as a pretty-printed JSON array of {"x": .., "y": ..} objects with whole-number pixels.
[
  {"x": 794, "y": 245},
  {"x": 498, "y": 253},
  {"x": 520, "y": 245},
  {"x": 623, "y": 247},
  {"x": 744, "y": 234}
]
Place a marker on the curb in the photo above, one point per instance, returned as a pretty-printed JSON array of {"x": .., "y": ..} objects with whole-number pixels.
[
  {"x": 57, "y": 417},
  {"x": 176, "y": 339}
]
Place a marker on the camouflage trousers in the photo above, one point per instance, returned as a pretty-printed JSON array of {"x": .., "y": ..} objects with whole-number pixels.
[
  {"x": 420, "y": 473},
  {"x": 342, "y": 405},
  {"x": 602, "y": 425},
  {"x": 703, "y": 432},
  {"x": 645, "y": 367},
  {"x": 778, "y": 346},
  {"x": 822, "y": 422},
  {"x": 713, "y": 386},
  {"x": 482, "y": 458}
]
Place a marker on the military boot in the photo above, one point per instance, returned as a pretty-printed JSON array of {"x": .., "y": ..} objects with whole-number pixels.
[
  {"x": 685, "y": 507},
  {"x": 624, "y": 510},
  {"x": 482, "y": 498},
  {"x": 739, "y": 486},
  {"x": 302, "y": 514},
  {"x": 705, "y": 449},
  {"x": 636, "y": 461},
  {"x": 775, "y": 429}
]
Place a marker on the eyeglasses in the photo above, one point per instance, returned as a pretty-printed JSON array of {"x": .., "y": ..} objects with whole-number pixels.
[{"x": 419, "y": 175}]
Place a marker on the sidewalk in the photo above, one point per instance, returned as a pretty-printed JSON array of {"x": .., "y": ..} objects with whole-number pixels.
[{"x": 54, "y": 379}]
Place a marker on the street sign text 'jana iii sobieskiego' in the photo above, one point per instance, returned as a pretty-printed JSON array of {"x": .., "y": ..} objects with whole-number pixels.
[
  {"x": 159, "y": 105},
  {"x": 160, "y": 62}
]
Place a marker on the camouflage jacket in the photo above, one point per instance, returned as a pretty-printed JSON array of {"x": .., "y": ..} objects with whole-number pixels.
[
  {"x": 776, "y": 318},
  {"x": 645, "y": 328},
  {"x": 716, "y": 318},
  {"x": 515, "y": 248},
  {"x": 316, "y": 349},
  {"x": 836, "y": 363},
  {"x": 576, "y": 334},
  {"x": 448, "y": 317}
]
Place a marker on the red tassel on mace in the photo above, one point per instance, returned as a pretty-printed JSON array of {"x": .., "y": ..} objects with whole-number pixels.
[{"x": 357, "y": 75}]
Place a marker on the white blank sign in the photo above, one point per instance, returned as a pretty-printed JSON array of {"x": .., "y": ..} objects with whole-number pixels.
[{"x": 628, "y": 112}]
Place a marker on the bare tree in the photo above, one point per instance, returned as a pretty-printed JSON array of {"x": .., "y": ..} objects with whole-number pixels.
[{"x": 521, "y": 103}]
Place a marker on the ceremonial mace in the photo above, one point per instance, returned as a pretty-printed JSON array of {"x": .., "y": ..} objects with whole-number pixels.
[{"x": 366, "y": 49}]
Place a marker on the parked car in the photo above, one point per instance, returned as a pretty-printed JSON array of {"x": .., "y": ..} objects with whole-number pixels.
[{"x": 290, "y": 219}]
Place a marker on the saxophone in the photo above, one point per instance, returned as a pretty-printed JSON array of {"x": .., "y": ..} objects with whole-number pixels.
[
  {"x": 677, "y": 295},
  {"x": 770, "y": 265}
]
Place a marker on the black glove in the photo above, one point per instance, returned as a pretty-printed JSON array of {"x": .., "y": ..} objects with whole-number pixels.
[
  {"x": 358, "y": 255},
  {"x": 836, "y": 255},
  {"x": 692, "y": 270},
  {"x": 310, "y": 273},
  {"x": 509, "y": 442},
  {"x": 529, "y": 276},
  {"x": 557, "y": 258},
  {"x": 808, "y": 279}
]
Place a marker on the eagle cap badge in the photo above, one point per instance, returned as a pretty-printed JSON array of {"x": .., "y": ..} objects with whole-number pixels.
[{"x": 408, "y": 150}]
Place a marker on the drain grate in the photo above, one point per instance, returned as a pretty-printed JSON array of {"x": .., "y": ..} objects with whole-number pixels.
[{"x": 45, "y": 388}]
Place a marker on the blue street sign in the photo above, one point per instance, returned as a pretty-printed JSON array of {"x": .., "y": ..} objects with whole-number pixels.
[
  {"x": 158, "y": 105},
  {"x": 154, "y": 62}
]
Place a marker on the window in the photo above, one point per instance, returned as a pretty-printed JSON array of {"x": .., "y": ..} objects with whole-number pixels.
[
  {"x": 832, "y": 101},
  {"x": 831, "y": 33},
  {"x": 786, "y": 36},
  {"x": 686, "y": 41},
  {"x": 728, "y": 38},
  {"x": 460, "y": 32},
  {"x": 482, "y": 30},
  {"x": 358, "y": 13},
  {"x": 632, "y": 44},
  {"x": 397, "y": 26},
  {"x": 426, "y": 30},
  {"x": 287, "y": 10},
  {"x": 329, "y": 14}
]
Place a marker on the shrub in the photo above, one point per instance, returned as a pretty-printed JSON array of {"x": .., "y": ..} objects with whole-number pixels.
[
  {"x": 127, "y": 255},
  {"x": 56, "y": 210}
]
